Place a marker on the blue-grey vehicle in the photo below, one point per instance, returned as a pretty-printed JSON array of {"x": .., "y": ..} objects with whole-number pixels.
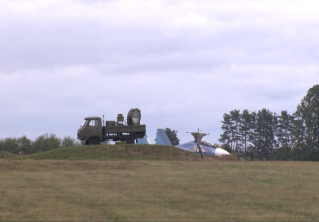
[
  {"x": 161, "y": 138},
  {"x": 144, "y": 140},
  {"x": 207, "y": 148}
]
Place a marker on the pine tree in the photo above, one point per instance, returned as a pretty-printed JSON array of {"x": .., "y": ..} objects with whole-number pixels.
[
  {"x": 264, "y": 133},
  {"x": 231, "y": 137},
  {"x": 254, "y": 136},
  {"x": 285, "y": 129},
  {"x": 228, "y": 137},
  {"x": 235, "y": 117},
  {"x": 245, "y": 128},
  {"x": 172, "y": 136},
  {"x": 225, "y": 138}
]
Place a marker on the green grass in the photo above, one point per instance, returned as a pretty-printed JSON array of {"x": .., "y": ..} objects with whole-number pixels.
[
  {"x": 109, "y": 152},
  {"x": 6, "y": 155},
  {"x": 128, "y": 188}
]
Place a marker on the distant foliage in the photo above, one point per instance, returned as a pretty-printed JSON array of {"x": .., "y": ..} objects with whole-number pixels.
[
  {"x": 46, "y": 142},
  {"x": 68, "y": 141},
  {"x": 43, "y": 143},
  {"x": 9, "y": 144},
  {"x": 172, "y": 136},
  {"x": 260, "y": 133}
]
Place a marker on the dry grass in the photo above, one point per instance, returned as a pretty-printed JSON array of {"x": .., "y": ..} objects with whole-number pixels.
[{"x": 56, "y": 190}]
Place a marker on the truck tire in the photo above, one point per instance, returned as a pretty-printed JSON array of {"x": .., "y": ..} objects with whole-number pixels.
[
  {"x": 130, "y": 140},
  {"x": 94, "y": 141}
]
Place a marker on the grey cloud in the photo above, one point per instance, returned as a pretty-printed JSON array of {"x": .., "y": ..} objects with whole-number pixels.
[
  {"x": 181, "y": 73},
  {"x": 55, "y": 43}
]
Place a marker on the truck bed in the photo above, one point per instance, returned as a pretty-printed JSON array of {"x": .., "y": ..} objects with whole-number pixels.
[{"x": 124, "y": 129}]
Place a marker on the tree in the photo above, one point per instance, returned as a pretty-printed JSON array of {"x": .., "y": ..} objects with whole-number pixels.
[
  {"x": 256, "y": 131},
  {"x": 245, "y": 127},
  {"x": 307, "y": 125},
  {"x": 282, "y": 154},
  {"x": 253, "y": 135},
  {"x": 172, "y": 136},
  {"x": 227, "y": 137},
  {"x": 235, "y": 117},
  {"x": 26, "y": 148},
  {"x": 9, "y": 144},
  {"x": 265, "y": 130},
  {"x": 42, "y": 143},
  {"x": 231, "y": 137},
  {"x": 68, "y": 141},
  {"x": 46, "y": 142},
  {"x": 285, "y": 129}
]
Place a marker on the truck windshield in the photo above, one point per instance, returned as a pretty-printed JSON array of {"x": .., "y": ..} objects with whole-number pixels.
[{"x": 85, "y": 122}]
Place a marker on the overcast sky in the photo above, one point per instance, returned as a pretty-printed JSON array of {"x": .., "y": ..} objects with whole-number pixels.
[{"x": 183, "y": 63}]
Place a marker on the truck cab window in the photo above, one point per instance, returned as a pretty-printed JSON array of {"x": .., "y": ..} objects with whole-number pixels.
[{"x": 93, "y": 122}]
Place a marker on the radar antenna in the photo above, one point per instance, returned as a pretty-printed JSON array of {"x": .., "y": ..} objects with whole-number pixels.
[{"x": 198, "y": 139}]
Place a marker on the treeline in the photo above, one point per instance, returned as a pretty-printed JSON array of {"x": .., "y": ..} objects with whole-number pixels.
[
  {"x": 266, "y": 135},
  {"x": 43, "y": 143}
]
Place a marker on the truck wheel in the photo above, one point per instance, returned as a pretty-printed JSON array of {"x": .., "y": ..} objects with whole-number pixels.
[
  {"x": 94, "y": 141},
  {"x": 129, "y": 140}
]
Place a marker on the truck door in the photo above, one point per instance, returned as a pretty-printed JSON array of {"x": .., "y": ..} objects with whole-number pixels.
[{"x": 95, "y": 129}]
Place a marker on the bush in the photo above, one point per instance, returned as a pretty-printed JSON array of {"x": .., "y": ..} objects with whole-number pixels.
[{"x": 46, "y": 142}]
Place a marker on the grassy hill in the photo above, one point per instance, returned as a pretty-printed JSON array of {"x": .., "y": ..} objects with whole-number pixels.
[
  {"x": 123, "y": 151},
  {"x": 6, "y": 155}
]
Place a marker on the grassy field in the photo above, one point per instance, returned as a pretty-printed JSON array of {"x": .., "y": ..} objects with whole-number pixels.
[{"x": 143, "y": 187}]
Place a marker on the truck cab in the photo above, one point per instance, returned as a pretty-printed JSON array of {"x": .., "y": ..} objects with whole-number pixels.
[{"x": 91, "y": 130}]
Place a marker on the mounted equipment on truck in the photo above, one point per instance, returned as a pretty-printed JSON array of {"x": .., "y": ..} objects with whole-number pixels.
[{"x": 94, "y": 132}]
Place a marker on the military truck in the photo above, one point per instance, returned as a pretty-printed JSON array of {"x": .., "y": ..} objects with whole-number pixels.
[{"x": 94, "y": 131}]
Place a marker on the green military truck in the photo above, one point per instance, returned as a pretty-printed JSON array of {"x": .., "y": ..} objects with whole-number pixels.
[{"x": 94, "y": 131}]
